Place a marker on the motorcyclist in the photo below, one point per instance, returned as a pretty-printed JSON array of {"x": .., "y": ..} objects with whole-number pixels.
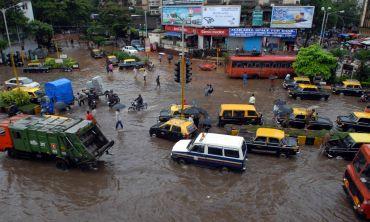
[{"x": 139, "y": 101}]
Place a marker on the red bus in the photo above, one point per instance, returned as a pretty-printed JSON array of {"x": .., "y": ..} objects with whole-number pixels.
[
  {"x": 260, "y": 66},
  {"x": 356, "y": 181}
]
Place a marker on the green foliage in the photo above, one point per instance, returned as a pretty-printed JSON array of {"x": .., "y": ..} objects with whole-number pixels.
[
  {"x": 115, "y": 18},
  {"x": 43, "y": 32},
  {"x": 313, "y": 60},
  {"x": 68, "y": 62},
  {"x": 363, "y": 72},
  {"x": 14, "y": 17},
  {"x": 3, "y": 44},
  {"x": 122, "y": 56},
  {"x": 18, "y": 97},
  {"x": 99, "y": 40},
  {"x": 339, "y": 53}
]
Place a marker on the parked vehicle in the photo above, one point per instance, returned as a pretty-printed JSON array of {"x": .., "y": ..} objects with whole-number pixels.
[
  {"x": 130, "y": 64},
  {"x": 260, "y": 66},
  {"x": 174, "y": 129},
  {"x": 305, "y": 91},
  {"x": 211, "y": 149},
  {"x": 356, "y": 182},
  {"x": 173, "y": 111},
  {"x": 23, "y": 81},
  {"x": 269, "y": 140},
  {"x": 97, "y": 53},
  {"x": 136, "y": 43},
  {"x": 36, "y": 67},
  {"x": 59, "y": 91},
  {"x": 349, "y": 87},
  {"x": 239, "y": 114},
  {"x": 35, "y": 93},
  {"x": 112, "y": 59},
  {"x": 346, "y": 147},
  {"x": 295, "y": 81},
  {"x": 129, "y": 50},
  {"x": 354, "y": 122},
  {"x": 70, "y": 142},
  {"x": 299, "y": 118}
]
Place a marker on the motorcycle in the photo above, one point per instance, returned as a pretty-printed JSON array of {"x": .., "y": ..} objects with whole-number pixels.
[
  {"x": 113, "y": 99},
  {"x": 135, "y": 107}
]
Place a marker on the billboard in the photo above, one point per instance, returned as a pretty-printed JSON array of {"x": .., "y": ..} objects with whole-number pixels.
[
  {"x": 179, "y": 2},
  {"x": 262, "y": 32},
  {"x": 173, "y": 15},
  {"x": 221, "y": 16},
  {"x": 292, "y": 16}
]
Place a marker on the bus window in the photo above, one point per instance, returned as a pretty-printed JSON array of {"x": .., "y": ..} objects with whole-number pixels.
[
  {"x": 266, "y": 65},
  {"x": 257, "y": 64},
  {"x": 278, "y": 65},
  {"x": 273, "y": 65}
]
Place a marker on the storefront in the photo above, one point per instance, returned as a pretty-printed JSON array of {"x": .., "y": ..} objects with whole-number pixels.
[
  {"x": 172, "y": 38},
  {"x": 212, "y": 38}
]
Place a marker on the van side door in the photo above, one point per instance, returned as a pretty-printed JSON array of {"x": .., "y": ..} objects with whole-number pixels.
[
  {"x": 214, "y": 157},
  {"x": 197, "y": 152}
]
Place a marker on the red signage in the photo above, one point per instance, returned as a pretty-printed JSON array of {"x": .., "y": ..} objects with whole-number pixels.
[
  {"x": 213, "y": 32},
  {"x": 187, "y": 30}
]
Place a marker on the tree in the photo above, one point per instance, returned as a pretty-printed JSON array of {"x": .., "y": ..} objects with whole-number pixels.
[
  {"x": 43, "y": 32},
  {"x": 115, "y": 18},
  {"x": 339, "y": 53},
  {"x": 313, "y": 60},
  {"x": 363, "y": 71},
  {"x": 14, "y": 17}
]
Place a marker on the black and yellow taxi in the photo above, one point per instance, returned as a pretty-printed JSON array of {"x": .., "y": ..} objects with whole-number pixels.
[
  {"x": 288, "y": 84},
  {"x": 350, "y": 87},
  {"x": 97, "y": 53},
  {"x": 112, "y": 59},
  {"x": 346, "y": 146},
  {"x": 270, "y": 140},
  {"x": 35, "y": 93},
  {"x": 308, "y": 91},
  {"x": 174, "y": 129},
  {"x": 241, "y": 114},
  {"x": 354, "y": 122},
  {"x": 35, "y": 67},
  {"x": 173, "y": 111},
  {"x": 304, "y": 118}
]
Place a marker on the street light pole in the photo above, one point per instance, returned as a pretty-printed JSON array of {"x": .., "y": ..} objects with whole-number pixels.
[
  {"x": 146, "y": 25},
  {"x": 323, "y": 23},
  {"x": 10, "y": 47},
  {"x": 182, "y": 68},
  {"x": 326, "y": 20}
]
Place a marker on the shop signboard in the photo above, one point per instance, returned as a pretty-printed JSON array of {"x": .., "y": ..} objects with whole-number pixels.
[
  {"x": 187, "y": 30},
  {"x": 179, "y": 2},
  {"x": 213, "y": 32},
  {"x": 221, "y": 16},
  {"x": 173, "y": 15},
  {"x": 292, "y": 16},
  {"x": 257, "y": 18},
  {"x": 262, "y": 32}
]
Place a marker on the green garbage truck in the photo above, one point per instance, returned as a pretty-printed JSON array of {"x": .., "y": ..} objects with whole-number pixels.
[{"x": 71, "y": 142}]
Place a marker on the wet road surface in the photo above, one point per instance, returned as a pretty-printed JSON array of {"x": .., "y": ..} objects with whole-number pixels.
[{"x": 139, "y": 182}]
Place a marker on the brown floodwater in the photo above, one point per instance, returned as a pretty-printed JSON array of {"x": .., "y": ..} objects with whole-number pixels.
[{"x": 139, "y": 181}]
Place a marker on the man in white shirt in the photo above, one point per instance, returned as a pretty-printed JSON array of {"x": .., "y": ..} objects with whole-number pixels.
[{"x": 252, "y": 100}]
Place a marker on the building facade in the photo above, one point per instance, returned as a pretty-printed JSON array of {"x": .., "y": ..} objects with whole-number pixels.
[{"x": 365, "y": 19}]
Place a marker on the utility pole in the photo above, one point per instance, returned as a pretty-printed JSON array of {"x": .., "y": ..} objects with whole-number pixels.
[{"x": 182, "y": 69}]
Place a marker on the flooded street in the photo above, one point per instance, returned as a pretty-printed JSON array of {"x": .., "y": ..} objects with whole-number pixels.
[{"x": 140, "y": 182}]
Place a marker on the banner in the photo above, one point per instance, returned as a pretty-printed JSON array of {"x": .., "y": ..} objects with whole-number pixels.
[
  {"x": 213, "y": 32},
  {"x": 262, "y": 32},
  {"x": 257, "y": 18},
  {"x": 221, "y": 16},
  {"x": 179, "y": 2},
  {"x": 173, "y": 15},
  {"x": 292, "y": 16}
]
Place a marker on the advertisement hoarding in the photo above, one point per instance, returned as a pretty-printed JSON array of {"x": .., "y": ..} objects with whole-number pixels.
[
  {"x": 173, "y": 15},
  {"x": 179, "y": 2},
  {"x": 292, "y": 16},
  {"x": 262, "y": 32},
  {"x": 221, "y": 16}
]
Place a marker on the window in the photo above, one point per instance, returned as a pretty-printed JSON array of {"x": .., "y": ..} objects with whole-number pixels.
[
  {"x": 166, "y": 127},
  {"x": 260, "y": 139},
  {"x": 309, "y": 89},
  {"x": 215, "y": 151},
  {"x": 274, "y": 140},
  {"x": 252, "y": 113},
  {"x": 364, "y": 120},
  {"x": 300, "y": 117},
  {"x": 359, "y": 162},
  {"x": 231, "y": 153},
  {"x": 198, "y": 148},
  {"x": 273, "y": 65},
  {"x": 267, "y": 65},
  {"x": 227, "y": 113},
  {"x": 176, "y": 129},
  {"x": 258, "y": 64},
  {"x": 14, "y": 81},
  {"x": 239, "y": 114},
  {"x": 2, "y": 131},
  {"x": 17, "y": 135}
]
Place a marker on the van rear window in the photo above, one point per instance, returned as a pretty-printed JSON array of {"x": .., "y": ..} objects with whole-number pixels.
[{"x": 231, "y": 153}]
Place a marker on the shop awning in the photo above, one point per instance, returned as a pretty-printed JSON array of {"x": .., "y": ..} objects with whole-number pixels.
[{"x": 174, "y": 34}]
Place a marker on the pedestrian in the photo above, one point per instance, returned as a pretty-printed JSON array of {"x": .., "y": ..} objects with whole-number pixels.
[
  {"x": 287, "y": 77},
  {"x": 206, "y": 90},
  {"x": 158, "y": 82},
  {"x": 135, "y": 72},
  {"x": 245, "y": 79},
  {"x": 89, "y": 116},
  {"x": 272, "y": 83},
  {"x": 210, "y": 90},
  {"x": 80, "y": 99},
  {"x": 118, "y": 119},
  {"x": 170, "y": 57},
  {"x": 160, "y": 58},
  {"x": 252, "y": 100},
  {"x": 144, "y": 75},
  {"x": 72, "y": 43},
  {"x": 107, "y": 67},
  {"x": 93, "y": 112},
  {"x": 191, "y": 118},
  {"x": 110, "y": 66}
]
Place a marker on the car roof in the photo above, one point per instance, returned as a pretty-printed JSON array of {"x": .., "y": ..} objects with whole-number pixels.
[
  {"x": 27, "y": 89},
  {"x": 270, "y": 132},
  {"x": 179, "y": 122},
  {"x": 238, "y": 107},
  {"x": 96, "y": 50},
  {"x": 299, "y": 111},
  {"x": 112, "y": 57},
  {"x": 175, "y": 107},
  {"x": 304, "y": 78},
  {"x": 360, "y": 137},
  {"x": 20, "y": 78},
  {"x": 34, "y": 63},
  {"x": 129, "y": 60},
  {"x": 219, "y": 140},
  {"x": 304, "y": 86},
  {"x": 351, "y": 82},
  {"x": 362, "y": 115}
]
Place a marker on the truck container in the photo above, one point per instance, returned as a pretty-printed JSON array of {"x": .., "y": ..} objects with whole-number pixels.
[{"x": 71, "y": 142}]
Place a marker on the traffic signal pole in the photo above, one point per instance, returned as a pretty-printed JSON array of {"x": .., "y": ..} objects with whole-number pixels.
[{"x": 182, "y": 73}]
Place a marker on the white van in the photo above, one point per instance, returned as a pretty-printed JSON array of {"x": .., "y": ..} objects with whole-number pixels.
[{"x": 216, "y": 150}]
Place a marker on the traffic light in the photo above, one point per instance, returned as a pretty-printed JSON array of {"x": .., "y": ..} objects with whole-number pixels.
[
  {"x": 177, "y": 71},
  {"x": 188, "y": 71}
]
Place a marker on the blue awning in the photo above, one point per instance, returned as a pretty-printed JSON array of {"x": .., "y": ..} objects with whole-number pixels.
[{"x": 175, "y": 34}]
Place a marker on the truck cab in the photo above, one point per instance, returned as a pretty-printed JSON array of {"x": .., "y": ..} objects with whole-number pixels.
[{"x": 356, "y": 181}]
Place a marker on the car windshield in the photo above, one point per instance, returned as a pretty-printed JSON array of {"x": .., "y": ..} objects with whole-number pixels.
[
  {"x": 130, "y": 48},
  {"x": 352, "y": 117},
  {"x": 27, "y": 81},
  {"x": 190, "y": 145}
]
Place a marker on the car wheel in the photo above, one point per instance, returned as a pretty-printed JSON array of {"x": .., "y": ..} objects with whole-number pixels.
[
  {"x": 12, "y": 153},
  {"x": 298, "y": 98},
  {"x": 341, "y": 94},
  {"x": 61, "y": 164},
  {"x": 181, "y": 161}
]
